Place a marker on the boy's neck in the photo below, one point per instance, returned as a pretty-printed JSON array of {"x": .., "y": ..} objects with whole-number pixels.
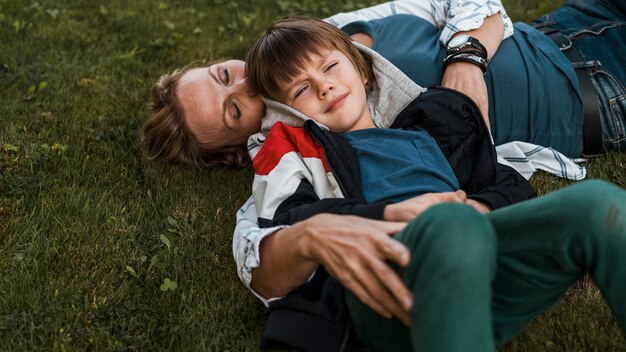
[{"x": 363, "y": 123}]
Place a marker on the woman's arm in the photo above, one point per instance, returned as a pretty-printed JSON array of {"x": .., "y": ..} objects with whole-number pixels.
[
  {"x": 485, "y": 20},
  {"x": 352, "y": 249},
  {"x": 272, "y": 262},
  {"x": 247, "y": 238},
  {"x": 468, "y": 78}
]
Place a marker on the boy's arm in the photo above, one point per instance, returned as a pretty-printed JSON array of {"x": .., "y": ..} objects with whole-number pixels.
[
  {"x": 454, "y": 122},
  {"x": 510, "y": 188}
]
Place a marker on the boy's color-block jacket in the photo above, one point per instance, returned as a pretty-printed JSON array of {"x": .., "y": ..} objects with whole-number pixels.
[{"x": 302, "y": 169}]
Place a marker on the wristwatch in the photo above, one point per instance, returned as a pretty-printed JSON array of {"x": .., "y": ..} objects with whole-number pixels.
[
  {"x": 464, "y": 48},
  {"x": 464, "y": 42}
]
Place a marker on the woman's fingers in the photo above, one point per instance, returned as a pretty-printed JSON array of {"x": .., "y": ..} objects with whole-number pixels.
[
  {"x": 377, "y": 286},
  {"x": 379, "y": 295},
  {"x": 354, "y": 251},
  {"x": 388, "y": 227},
  {"x": 381, "y": 281},
  {"x": 364, "y": 296},
  {"x": 391, "y": 288}
]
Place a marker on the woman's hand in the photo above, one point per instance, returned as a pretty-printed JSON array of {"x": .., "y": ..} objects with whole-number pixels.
[
  {"x": 407, "y": 210},
  {"x": 468, "y": 78},
  {"x": 353, "y": 250}
]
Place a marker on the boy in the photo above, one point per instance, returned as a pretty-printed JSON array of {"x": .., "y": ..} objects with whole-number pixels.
[
  {"x": 437, "y": 142},
  {"x": 314, "y": 72}
]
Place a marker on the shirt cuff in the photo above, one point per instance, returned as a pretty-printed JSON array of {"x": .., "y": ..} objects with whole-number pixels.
[
  {"x": 467, "y": 17},
  {"x": 248, "y": 255}
]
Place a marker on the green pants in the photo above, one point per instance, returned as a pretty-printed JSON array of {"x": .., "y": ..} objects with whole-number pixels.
[{"x": 478, "y": 280}]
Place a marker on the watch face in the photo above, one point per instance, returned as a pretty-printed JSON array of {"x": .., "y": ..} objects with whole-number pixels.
[{"x": 458, "y": 41}]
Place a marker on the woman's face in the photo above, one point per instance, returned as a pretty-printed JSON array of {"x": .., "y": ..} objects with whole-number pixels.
[{"x": 219, "y": 106}]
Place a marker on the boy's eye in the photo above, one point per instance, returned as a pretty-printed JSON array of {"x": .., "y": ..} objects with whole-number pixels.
[{"x": 300, "y": 91}]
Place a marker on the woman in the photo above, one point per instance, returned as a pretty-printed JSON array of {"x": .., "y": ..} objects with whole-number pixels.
[{"x": 533, "y": 91}]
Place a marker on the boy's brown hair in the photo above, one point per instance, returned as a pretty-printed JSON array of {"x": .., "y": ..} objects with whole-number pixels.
[{"x": 285, "y": 48}]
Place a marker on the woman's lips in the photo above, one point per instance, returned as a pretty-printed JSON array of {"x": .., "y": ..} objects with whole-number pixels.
[{"x": 337, "y": 102}]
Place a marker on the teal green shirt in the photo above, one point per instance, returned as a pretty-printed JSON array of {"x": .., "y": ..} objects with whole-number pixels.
[
  {"x": 400, "y": 164},
  {"x": 532, "y": 87}
]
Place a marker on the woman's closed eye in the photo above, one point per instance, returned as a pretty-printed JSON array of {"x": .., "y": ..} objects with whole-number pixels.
[
  {"x": 329, "y": 67},
  {"x": 235, "y": 111},
  {"x": 224, "y": 76}
]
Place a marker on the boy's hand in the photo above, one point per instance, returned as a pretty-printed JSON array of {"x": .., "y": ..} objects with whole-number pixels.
[
  {"x": 407, "y": 210},
  {"x": 482, "y": 207}
]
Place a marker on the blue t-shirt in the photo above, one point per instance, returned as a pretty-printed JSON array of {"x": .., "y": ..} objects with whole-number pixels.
[
  {"x": 533, "y": 89},
  {"x": 400, "y": 164}
]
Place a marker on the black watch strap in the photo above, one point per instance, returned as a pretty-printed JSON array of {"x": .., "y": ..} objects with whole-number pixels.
[
  {"x": 471, "y": 44},
  {"x": 468, "y": 57}
]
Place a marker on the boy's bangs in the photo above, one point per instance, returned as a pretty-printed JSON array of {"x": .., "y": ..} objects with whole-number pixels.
[
  {"x": 295, "y": 54},
  {"x": 288, "y": 47}
]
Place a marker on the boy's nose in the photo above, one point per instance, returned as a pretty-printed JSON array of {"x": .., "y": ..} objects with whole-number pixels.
[{"x": 324, "y": 88}]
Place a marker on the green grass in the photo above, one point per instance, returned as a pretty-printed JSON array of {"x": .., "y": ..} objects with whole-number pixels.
[{"x": 89, "y": 230}]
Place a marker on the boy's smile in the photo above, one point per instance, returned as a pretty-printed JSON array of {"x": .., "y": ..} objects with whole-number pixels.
[
  {"x": 337, "y": 102},
  {"x": 331, "y": 91}
]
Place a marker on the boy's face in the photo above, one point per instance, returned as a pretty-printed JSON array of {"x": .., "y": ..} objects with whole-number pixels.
[{"x": 330, "y": 91}]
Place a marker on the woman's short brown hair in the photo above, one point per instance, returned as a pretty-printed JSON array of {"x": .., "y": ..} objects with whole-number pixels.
[
  {"x": 284, "y": 50},
  {"x": 167, "y": 137}
]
